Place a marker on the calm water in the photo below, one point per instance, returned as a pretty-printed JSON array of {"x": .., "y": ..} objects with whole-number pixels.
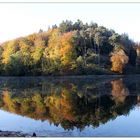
[{"x": 79, "y": 106}]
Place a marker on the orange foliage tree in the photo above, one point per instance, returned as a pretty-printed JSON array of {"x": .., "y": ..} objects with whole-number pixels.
[{"x": 119, "y": 59}]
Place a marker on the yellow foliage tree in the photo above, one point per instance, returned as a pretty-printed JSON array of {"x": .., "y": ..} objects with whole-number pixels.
[
  {"x": 38, "y": 50},
  {"x": 25, "y": 49},
  {"x": 52, "y": 51},
  {"x": 67, "y": 51},
  {"x": 9, "y": 49},
  {"x": 60, "y": 49}
]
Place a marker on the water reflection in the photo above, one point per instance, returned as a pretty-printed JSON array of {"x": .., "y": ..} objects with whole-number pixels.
[{"x": 70, "y": 102}]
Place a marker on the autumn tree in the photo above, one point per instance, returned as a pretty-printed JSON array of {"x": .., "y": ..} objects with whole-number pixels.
[
  {"x": 9, "y": 49},
  {"x": 67, "y": 51},
  {"x": 119, "y": 59}
]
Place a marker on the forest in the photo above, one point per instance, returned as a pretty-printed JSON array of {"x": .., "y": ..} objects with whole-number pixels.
[{"x": 70, "y": 49}]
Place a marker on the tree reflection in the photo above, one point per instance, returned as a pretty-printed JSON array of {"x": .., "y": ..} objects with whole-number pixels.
[
  {"x": 8, "y": 101},
  {"x": 119, "y": 91},
  {"x": 70, "y": 103}
]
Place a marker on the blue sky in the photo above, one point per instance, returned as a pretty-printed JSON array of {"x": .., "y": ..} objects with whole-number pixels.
[{"x": 20, "y": 19}]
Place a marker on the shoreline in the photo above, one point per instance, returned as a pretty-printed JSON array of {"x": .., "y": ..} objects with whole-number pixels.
[
  {"x": 13, "y": 134},
  {"x": 65, "y": 76}
]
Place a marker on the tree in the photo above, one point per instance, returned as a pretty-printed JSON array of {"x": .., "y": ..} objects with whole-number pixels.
[
  {"x": 119, "y": 59},
  {"x": 40, "y": 31},
  {"x": 65, "y": 26},
  {"x": 25, "y": 50},
  {"x": 67, "y": 50},
  {"x": 16, "y": 65},
  {"x": 9, "y": 48},
  {"x": 37, "y": 54},
  {"x": 78, "y": 25},
  {"x": 99, "y": 42}
]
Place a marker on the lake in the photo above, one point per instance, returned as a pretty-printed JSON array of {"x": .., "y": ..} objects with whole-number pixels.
[{"x": 71, "y": 106}]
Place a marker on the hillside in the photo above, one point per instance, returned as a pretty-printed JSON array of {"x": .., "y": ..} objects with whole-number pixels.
[{"x": 70, "y": 49}]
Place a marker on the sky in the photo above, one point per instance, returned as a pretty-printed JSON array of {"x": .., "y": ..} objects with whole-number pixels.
[{"x": 21, "y": 19}]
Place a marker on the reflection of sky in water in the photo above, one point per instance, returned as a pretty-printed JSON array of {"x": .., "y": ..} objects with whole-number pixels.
[{"x": 128, "y": 125}]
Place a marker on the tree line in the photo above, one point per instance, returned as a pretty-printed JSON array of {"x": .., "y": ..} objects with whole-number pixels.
[{"x": 70, "y": 49}]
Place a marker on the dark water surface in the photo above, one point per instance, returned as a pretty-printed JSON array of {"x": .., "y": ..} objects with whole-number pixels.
[{"x": 71, "y": 106}]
